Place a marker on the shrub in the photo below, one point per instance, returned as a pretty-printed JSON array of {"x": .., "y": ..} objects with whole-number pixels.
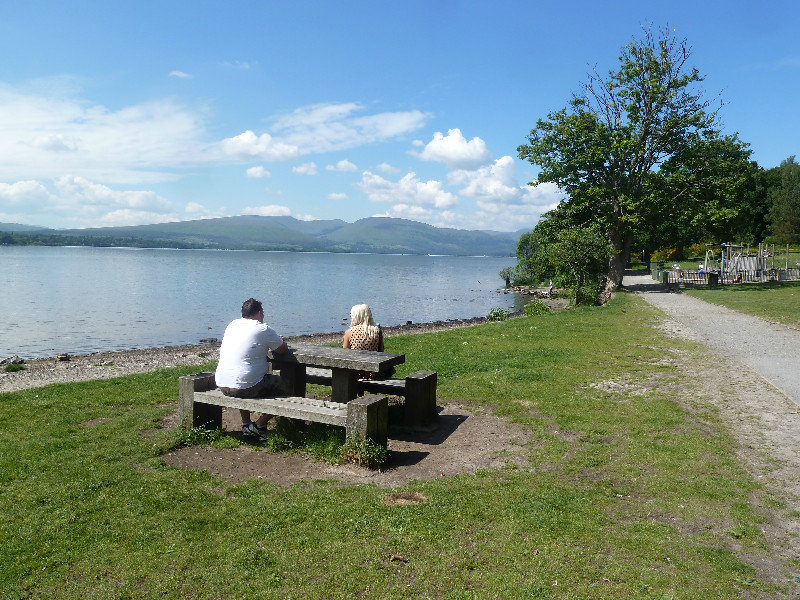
[
  {"x": 284, "y": 436},
  {"x": 590, "y": 293},
  {"x": 365, "y": 453},
  {"x": 14, "y": 367},
  {"x": 697, "y": 250},
  {"x": 197, "y": 436},
  {"x": 498, "y": 314},
  {"x": 506, "y": 274},
  {"x": 536, "y": 307},
  {"x": 663, "y": 254}
]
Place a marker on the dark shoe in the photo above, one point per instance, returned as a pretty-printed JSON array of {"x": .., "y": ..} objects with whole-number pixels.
[{"x": 253, "y": 430}]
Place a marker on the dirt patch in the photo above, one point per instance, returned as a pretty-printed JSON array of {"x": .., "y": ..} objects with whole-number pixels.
[
  {"x": 458, "y": 442},
  {"x": 92, "y": 422},
  {"x": 404, "y": 498}
]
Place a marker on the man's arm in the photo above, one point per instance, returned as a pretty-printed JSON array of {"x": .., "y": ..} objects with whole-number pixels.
[{"x": 283, "y": 348}]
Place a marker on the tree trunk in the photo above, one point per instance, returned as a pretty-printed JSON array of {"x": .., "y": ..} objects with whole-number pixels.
[{"x": 621, "y": 245}]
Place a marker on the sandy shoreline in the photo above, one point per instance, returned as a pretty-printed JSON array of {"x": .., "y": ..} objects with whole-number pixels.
[{"x": 105, "y": 365}]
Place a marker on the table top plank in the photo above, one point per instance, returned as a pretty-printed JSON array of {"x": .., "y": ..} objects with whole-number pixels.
[{"x": 338, "y": 358}]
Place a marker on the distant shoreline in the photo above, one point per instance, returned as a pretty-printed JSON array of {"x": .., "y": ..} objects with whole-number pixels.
[
  {"x": 135, "y": 246},
  {"x": 39, "y": 372}
]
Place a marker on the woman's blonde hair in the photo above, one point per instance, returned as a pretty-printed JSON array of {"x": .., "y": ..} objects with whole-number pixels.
[{"x": 361, "y": 316}]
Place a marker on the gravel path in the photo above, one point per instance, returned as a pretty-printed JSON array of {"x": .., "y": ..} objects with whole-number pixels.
[
  {"x": 751, "y": 375},
  {"x": 771, "y": 349}
]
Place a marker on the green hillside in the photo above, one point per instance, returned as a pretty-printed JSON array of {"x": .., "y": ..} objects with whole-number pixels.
[
  {"x": 252, "y": 232},
  {"x": 244, "y": 232},
  {"x": 19, "y": 228},
  {"x": 384, "y": 234}
]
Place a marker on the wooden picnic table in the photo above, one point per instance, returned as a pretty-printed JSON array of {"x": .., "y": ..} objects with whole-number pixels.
[{"x": 345, "y": 364}]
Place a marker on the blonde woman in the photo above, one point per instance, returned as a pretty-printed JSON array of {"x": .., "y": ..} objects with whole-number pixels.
[{"x": 364, "y": 334}]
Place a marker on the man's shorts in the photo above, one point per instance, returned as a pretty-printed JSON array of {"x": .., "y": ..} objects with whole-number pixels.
[{"x": 270, "y": 386}]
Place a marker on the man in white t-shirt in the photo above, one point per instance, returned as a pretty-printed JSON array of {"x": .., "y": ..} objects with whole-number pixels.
[{"x": 243, "y": 370}]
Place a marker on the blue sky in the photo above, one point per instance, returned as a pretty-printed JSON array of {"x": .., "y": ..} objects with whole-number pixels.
[{"x": 117, "y": 113}]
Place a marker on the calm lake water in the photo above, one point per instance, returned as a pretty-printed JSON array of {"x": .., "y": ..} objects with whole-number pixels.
[{"x": 81, "y": 300}]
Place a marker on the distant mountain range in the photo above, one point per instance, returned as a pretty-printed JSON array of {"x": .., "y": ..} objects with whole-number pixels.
[
  {"x": 381, "y": 235},
  {"x": 18, "y": 228}
]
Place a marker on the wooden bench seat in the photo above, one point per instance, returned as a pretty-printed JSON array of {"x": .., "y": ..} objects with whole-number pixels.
[
  {"x": 201, "y": 405},
  {"x": 292, "y": 407},
  {"x": 418, "y": 389}
]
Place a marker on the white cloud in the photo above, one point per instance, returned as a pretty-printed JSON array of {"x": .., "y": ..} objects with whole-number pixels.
[
  {"x": 329, "y": 127},
  {"x": 408, "y": 191},
  {"x": 47, "y": 134},
  {"x": 195, "y": 210},
  {"x": 248, "y": 145},
  {"x": 497, "y": 181},
  {"x": 337, "y": 196},
  {"x": 502, "y": 203},
  {"x": 87, "y": 193},
  {"x": 342, "y": 166},
  {"x": 322, "y": 128},
  {"x": 275, "y": 210},
  {"x": 127, "y": 216},
  {"x": 77, "y": 202},
  {"x": 272, "y": 210},
  {"x": 305, "y": 169},
  {"x": 258, "y": 172},
  {"x": 24, "y": 194},
  {"x": 409, "y": 211},
  {"x": 454, "y": 150},
  {"x": 309, "y": 168},
  {"x": 180, "y": 75},
  {"x": 54, "y": 142},
  {"x": 385, "y": 167}
]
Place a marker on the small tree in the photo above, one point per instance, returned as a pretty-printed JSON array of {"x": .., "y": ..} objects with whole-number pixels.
[
  {"x": 580, "y": 256},
  {"x": 507, "y": 273}
]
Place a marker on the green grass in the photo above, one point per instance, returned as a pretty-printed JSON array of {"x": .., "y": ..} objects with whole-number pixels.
[
  {"x": 775, "y": 301},
  {"x": 628, "y": 493}
]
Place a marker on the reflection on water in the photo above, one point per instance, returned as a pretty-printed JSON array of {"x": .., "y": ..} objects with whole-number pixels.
[{"x": 81, "y": 300}]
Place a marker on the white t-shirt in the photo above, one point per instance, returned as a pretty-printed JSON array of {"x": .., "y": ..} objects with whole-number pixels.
[{"x": 243, "y": 353}]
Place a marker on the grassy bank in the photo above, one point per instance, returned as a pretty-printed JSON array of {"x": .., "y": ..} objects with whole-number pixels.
[
  {"x": 775, "y": 301},
  {"x": 628, "y": 494}
]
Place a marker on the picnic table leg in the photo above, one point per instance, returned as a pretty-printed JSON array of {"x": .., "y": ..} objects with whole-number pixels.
[
  {"x": 368, "y": 418},
  {"x": 344, "y": 385},
  {"x": 420, "y": 404},
  {"x": 294, "y": 375},
  {"x": 197, "y": 414}
]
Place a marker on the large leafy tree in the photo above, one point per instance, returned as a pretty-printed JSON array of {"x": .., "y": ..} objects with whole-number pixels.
[
  {"x": 784, "y": 199},
  {"x": 604, "y": 148},
  {"x": 708, "y": 191}
]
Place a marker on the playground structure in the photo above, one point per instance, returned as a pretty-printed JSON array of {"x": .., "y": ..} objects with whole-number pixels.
[{"x": 734, "y": 263}]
